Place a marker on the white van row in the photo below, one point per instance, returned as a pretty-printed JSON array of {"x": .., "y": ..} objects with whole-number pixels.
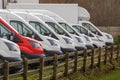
[{"x": 56, "y": 35}]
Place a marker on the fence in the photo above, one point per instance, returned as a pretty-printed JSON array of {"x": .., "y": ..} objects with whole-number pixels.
[{"x": 71, "y": 62}]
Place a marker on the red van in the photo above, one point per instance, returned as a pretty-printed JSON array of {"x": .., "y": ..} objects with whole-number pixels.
[{"x": 30, "y": 48}]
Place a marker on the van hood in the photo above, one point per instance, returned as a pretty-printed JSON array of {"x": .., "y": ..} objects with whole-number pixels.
[
  {"x": 66, "y": 37},
  {"x": 28, "y": 38},
  {"x": 5, "y": 50},
  {"x": 109, "y": 36},
  {"x": 5, "y": 40}
]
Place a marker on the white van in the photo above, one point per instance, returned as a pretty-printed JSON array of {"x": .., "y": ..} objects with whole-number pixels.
[
  {"x": 50, "y": 45},
  {"x": 97, "y": 41},
  {"x": 104, "y": 36},
  {"x": 66, "y": 43}
]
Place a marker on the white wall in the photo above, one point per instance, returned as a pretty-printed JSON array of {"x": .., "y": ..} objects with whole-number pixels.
[
  {"x": 27, "y": 1},
  {"x": 0, "y": 4},
  {"x": 68, "y": 11}
]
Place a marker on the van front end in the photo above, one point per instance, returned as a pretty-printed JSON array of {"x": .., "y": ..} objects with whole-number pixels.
[
  {"x": 66, "y": 44},
  {"x": 88, "y": 42},
  {"x": 108, "y": 39},
  {"x": 10, "y": 52},
  {"x": 79, "y": 42},
  {"x": 51, "y": 46},
  {"x": 31, "y": 48}
]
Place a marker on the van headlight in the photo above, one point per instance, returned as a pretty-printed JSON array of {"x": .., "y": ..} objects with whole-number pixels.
[
  {"x": 87, "y": 39},
  {"x": 99, "y": 38},
  {"x": 79, "y": 39},
  {"x": 109, "y": 37},
  {"x": 68, "y": 41},
  {"x": 12, "y": 47},
  {"x": 53, "y": 42},
  {"x": 34, "y": 44}
]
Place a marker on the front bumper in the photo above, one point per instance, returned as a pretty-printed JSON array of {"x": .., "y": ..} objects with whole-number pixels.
[
  {"x": 109, "y": 43},
  {"x": 64, "y": 50},
  {"x": 32, "y": 56},
  {"x": 81, "y": 48},
  {"x": 89, "y": 46},
  {"x": 52, "y": 53},
  {"x": 14, "y": 59}
]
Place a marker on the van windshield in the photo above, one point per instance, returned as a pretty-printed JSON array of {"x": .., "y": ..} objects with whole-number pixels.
[
  {"x": 67, "y": 27},
  {"x": 91, "y": 28},
  {"x": 6, "y": 34},
  {"x": 22, "y": 28},
  {"x": 80, "y": 29},
  {"x": 56, "y": 28},
  {"x": 4, "y": 31},
  {"x": 40, "y": 28}
]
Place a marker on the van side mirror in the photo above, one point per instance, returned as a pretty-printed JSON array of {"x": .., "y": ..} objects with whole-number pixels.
[
  {"x": 13, "y": 37},
  {"x": 31, "y": 35},
  {"x": 10, "y": 36}
]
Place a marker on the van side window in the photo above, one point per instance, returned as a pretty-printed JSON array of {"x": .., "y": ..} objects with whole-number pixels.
[
  {"x": 77, "y": 28},
  {"x": 40, "y": 28},
  {"x": 21, "y": 28},
  {"x": 56, "y": 27},
  {"x": 86, "y": 25},
  {"x": 83, "y": 30},
  {"x": 17, "y": 27},
  {"x": 67, "y": 27},
  {"x": 6, "y": 33},
  {"x": 91, "y": 28},
  {"x": 3, "y": 31}
]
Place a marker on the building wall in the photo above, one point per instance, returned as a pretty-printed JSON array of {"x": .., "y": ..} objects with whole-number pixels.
[
  {"x": 0, "y": 4},
  {"x": 114, "y": 30},
  {"x": 28, "y": 1},
  {"x": 103, "y": 12}
]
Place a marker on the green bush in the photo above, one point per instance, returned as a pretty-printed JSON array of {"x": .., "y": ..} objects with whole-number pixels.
[{"x": 117, "y": 39}]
